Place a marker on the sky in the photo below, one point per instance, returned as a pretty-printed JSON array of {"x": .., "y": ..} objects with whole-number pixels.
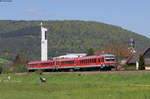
[{"x": 133, "y": 15}]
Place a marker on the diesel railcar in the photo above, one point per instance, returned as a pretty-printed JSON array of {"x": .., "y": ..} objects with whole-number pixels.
[{"x": 106, "y": 61}]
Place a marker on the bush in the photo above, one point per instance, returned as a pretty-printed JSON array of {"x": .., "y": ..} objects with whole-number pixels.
[
  {"x": 90, "y": 52},
  {"x": 1, "y": 69},
  {"x": 19, "y": 63},
  {"x": 20, "y": 68},
  {"x": 141, "y": 62}
]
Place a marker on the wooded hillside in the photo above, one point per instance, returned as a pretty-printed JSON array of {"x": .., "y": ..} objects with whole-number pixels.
[{"x": 23, "y": 37}]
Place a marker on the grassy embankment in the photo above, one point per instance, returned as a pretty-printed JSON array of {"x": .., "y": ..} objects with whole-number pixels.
[
  {"x": 130, "y": 67},
  {"x": 76, "y": 86}
]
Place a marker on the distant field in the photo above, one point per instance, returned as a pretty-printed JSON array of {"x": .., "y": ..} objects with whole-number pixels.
[{"x": 76, "y": 86}]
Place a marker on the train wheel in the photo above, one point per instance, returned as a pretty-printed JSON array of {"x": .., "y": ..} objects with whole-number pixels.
[
  {"x": 31, "y": 70},
  {"x": 71, "y": 70}
]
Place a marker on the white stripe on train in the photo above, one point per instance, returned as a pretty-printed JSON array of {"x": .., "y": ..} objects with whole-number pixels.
[{"x": 69, "y": 67}]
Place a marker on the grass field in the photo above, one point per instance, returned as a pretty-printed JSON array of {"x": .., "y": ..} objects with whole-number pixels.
[{"x": 76, "y": 86}]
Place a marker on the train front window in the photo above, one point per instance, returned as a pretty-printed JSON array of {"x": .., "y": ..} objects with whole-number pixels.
[{"x": 110, "y": 60}]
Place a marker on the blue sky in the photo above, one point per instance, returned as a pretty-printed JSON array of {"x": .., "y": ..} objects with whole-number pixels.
[{"x": 133, "y": 15}]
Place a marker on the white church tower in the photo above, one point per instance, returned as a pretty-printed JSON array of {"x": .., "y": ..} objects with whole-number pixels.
[{"x": 44, "y": 47}]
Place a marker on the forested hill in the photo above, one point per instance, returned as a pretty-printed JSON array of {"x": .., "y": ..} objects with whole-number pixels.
[{"x": 23, "y": 37}]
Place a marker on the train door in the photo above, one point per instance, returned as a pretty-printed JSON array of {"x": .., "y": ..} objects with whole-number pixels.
[
  {"x": 101, "y": 60},
  {"x": 52, "y": 64},
  {"x": 56, "y": 65}
]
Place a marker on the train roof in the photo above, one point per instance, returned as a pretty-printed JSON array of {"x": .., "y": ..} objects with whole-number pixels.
[
  {"x": 86, "y": 57},
  {"x": 39, "y": 62},
  {"x": 106, "y": 55}
]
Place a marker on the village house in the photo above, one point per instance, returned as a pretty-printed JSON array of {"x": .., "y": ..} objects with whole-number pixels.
[{"x": 133, "y": 59}]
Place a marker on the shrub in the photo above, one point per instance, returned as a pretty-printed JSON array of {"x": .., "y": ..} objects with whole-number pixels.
[
  {"x": 141, "y": 62},
  {"x": 20, "y": 68},
  {"x": 1, "y": 69},
  {"x": 90, "y": 52},
  {"x": 19, "y": 63}
]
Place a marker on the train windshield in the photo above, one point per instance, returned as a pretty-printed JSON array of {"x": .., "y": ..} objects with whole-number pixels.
[{"x": 110, "y": 58}]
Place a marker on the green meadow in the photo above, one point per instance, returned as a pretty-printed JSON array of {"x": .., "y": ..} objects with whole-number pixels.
[{"x": 76, "y": 86}]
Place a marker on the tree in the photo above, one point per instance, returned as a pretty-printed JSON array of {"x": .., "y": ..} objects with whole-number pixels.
[
  {"x": 1, "y": 69},
  {"x": 90, "y": 52},
  {"x": 141, "y": 62},
  {"x": 121, "y": 51},
  {"x": 20, "y": 63}
]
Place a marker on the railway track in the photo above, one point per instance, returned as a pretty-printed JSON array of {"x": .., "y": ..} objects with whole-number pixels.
[
  {"x": 94, "y": 72},
  {"x": 100, "y": 72}
]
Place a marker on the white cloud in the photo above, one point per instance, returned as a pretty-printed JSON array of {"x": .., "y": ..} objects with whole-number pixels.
[{"x": 36, "y": 12}]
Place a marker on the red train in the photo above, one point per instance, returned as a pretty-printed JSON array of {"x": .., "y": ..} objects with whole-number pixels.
[{"x": 106, "y": 61}]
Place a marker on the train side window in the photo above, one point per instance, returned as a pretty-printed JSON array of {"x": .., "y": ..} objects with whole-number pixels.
[
  {"x": 45, "y": 64},
  {"x": 33, "y": 65},
  {"x": 87, "y": 61},
  {"x": 80, "y": 61},
  {"x": 62, "y": 63},
  {"x": 72, "y": 62},
  {"x": 67, "y": 62},
  {"x": 57, "y": 63},
  {"x": 83, "y": 61},
  {"x": 102, "y": 59},
  {"x": 52, "y": 63},
  {"x": 94, "y": 60},
  {"x": 99, "y": 60},
  {"x": 90, "y": 60}
]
